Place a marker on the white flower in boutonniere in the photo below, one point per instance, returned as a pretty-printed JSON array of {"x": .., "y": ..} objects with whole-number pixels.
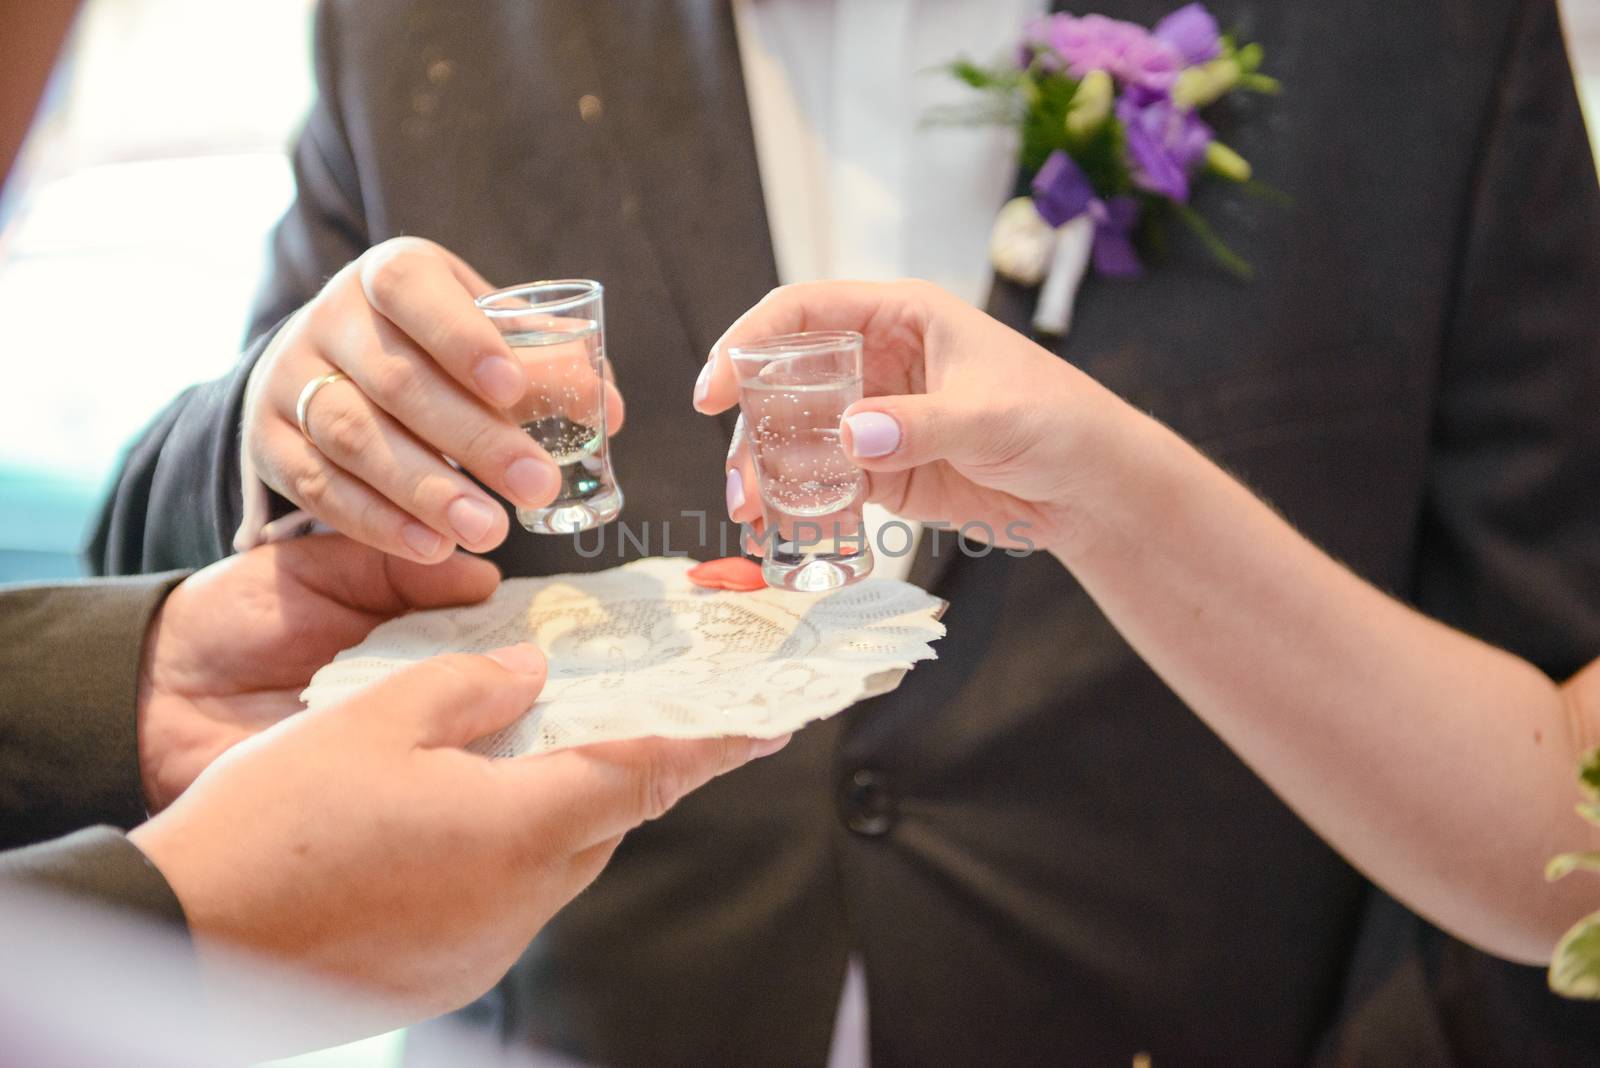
[{"x": 1111, "y": 136}]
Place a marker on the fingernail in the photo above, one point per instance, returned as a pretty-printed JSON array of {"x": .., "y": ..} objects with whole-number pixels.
[
  {"x": 873, "y": 434},
  {"x": 524, "y": 658},
  {"x": 765, "y": 747},
  {"x": 735, "y": 492},
  {"x": 500, "y": 379},
  {"x": 702, "y": 385},
  {"x": 532, "y": 482},
  {"x": 471, "y": 518},
  {"x": 420, "y": 539}
]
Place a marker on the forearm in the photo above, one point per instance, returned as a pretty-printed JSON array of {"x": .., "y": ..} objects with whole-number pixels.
[{"x": 1440, "y": 766}]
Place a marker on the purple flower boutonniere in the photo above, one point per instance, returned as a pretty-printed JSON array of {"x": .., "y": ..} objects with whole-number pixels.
[{"x": 1111, "y": 133}]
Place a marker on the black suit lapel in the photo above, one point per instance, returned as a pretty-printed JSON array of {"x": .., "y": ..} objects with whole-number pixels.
[{"x": 677, "y": 116}]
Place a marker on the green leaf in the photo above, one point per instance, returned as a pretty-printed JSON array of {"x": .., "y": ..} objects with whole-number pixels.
[
  {"x": 1260, "y": 83},
  {"x": 1589, "y": 774},
  {"x": 1214, "y": 244},
  {"x": 1044, "y": 124},
  {"x": 974, "y": 75},
  {"x": 995, "y": 112},
  {"x": 1270, "y": 193},
  {"x": 1575, "y": 967},
  {"x": 1567, "y": 863}
]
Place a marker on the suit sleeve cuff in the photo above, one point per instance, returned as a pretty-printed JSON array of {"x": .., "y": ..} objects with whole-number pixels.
[
  {"x": 71, "y": 657},
  {"x": 101, "y": 866}
]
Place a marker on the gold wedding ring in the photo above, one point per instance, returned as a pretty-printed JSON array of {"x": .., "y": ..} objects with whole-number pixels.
[{"x": 302, "y": 407}]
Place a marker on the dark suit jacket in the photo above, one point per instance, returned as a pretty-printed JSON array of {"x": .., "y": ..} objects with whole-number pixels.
[
  {"x": 69, "y": 764},
  {"x": 1042, "y": 857}
]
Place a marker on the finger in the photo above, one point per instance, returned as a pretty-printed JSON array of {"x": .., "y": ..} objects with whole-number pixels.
[
  {"x": 743, "y": 491},
  {"x": 458, "y": 579},
  {"x": 791, "y": 309},
  {"x": 474, "y": 282},
  {"x": 897, "y": 433},
  {"x": 396, "y": 375},
  {"x": 449, "y": 701},
  {"x": 555, "y": 878},
  {"x": 429, "y": 296},
  {"x": 378, "y": 584},
  {"x": 365, "y": 441},
  {"x": 616, "y": 410},
  {"x": 293, "y": 467},
  {"x": 601, "y": 791},
  {"x": 585, "y": 867},
  {"x": 755, "y": 542},
  {"x": 566, "y": 378}
]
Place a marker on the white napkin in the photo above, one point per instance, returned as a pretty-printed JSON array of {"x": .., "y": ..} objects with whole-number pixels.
[{"x": 639, "y": 650}]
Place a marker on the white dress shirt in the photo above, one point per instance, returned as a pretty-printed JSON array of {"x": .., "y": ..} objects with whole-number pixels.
[
  {"x": 860, "y": 185},
  {"x": 858, "y": 182}
]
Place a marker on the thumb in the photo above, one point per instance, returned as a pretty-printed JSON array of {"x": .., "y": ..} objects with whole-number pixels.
[
  {"x": 448, "y": 701},
  {"x": 897, "y": 433}
]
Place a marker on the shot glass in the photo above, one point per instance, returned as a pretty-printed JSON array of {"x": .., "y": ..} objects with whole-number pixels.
[
  {"x": 793, "y": 390},
  {"x": 557, "y": 332}
]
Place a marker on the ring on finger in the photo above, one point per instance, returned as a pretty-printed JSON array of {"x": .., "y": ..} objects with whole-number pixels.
[{"x": 302, "y": 406}]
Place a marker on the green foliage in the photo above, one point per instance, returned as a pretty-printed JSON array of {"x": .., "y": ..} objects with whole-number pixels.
[
  {"x": 1567, "y": 863},
  {"x": 1044, "y": 127},
  {"x": 977, "y": 77},
  {"x": 1589, "y": 776},
  {"x": 1230, "y": 260},
  {"x": 1249, "y": 58},
  {"x": 1575, "y": 967}
]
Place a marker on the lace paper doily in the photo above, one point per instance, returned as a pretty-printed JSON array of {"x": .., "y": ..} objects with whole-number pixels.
[{"x": 639, "y": 650}]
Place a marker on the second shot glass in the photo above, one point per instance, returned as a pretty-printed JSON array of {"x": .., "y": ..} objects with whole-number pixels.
[{"x": 793, "y": 391}]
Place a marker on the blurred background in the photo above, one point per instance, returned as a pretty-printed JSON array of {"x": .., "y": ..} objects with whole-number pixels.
[{"x": 132, "y": 237}]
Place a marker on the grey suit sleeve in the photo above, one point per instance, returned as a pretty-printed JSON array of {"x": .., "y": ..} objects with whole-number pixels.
[
  {"x": 177, "y": 500},
  {"x": 69, "y": 661},
  {"x": 100, "y": 865}
]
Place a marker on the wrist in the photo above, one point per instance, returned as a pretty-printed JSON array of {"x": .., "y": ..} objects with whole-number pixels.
[
  {"x": 152, "y": 738},
  {"x": 1118, "y": 473},
  {"x": 182, "y": 863}
]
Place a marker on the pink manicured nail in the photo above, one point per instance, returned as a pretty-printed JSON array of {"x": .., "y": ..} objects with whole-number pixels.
[
  {"x": 735, "y": 491},
  {"x": 873, "y": 434},
  {"x": 702, "y": 385},
  {"x": 471, "y": 518},
  {"x": 533, "y": 483},
  {"x": 420, "y": 539},
  {"x": 524, "y": 658},
  {"x": 500, "y": 379}
]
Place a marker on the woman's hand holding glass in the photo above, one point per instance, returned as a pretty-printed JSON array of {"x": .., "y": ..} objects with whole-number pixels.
[
  {"x": 419, "y": 376},
  {"x": 964, "y": 420},
  {"x": 1357, "y": 710}
]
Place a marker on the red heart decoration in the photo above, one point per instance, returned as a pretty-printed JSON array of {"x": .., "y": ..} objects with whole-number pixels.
[{"x": 738, "y": 573}]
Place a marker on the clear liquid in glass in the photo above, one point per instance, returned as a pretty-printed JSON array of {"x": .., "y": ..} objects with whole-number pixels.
[
  {"x": 564, "y": 411},
  {"x": 811, "y": 492}
]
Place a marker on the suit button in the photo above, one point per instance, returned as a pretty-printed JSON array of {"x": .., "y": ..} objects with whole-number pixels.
[{"x": 867, "y": 804}]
